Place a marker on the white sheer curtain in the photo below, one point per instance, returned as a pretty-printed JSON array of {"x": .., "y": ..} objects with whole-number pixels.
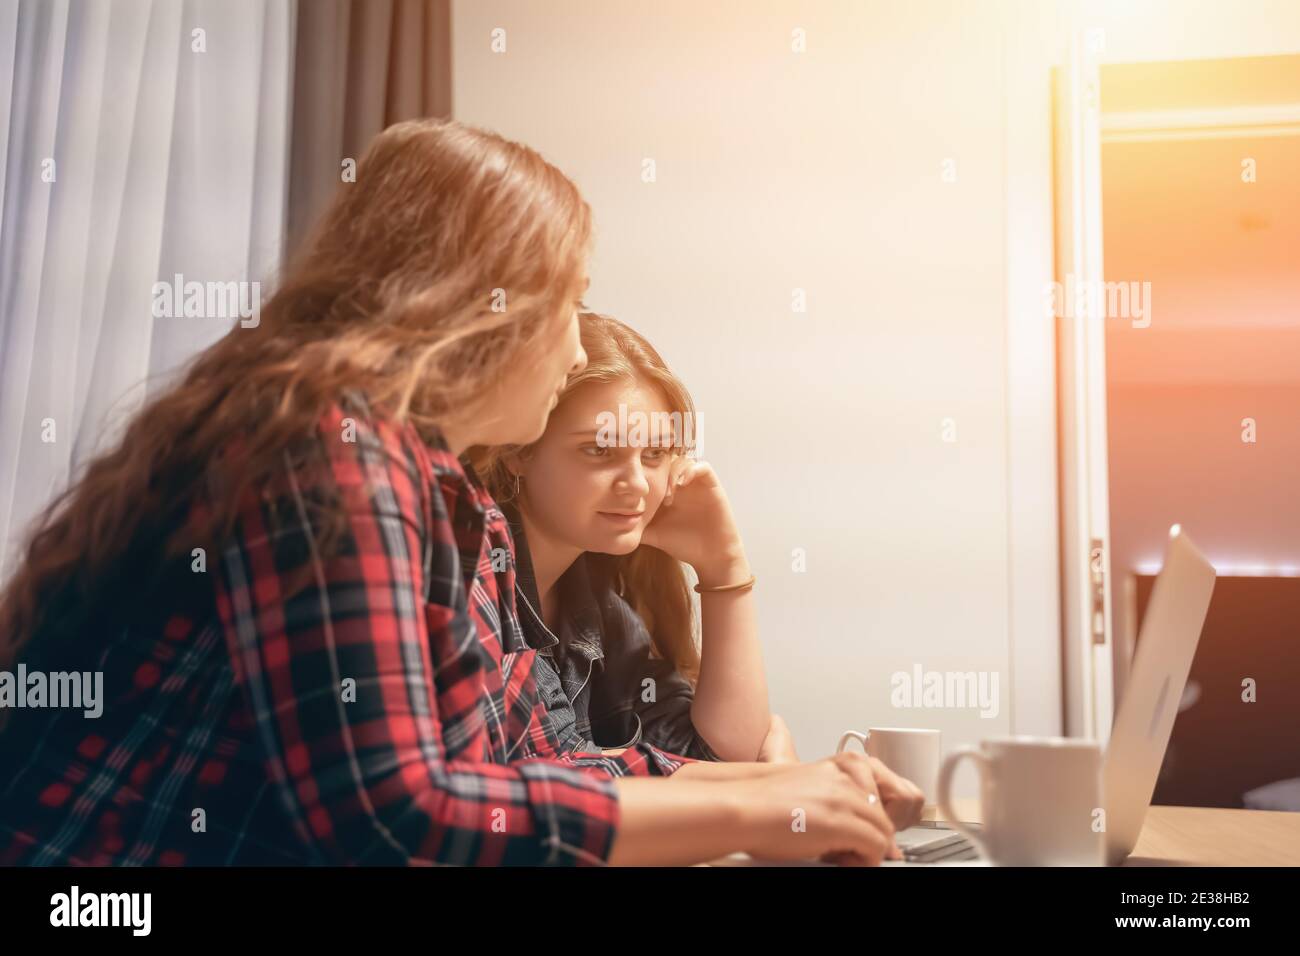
[{"x": 170, "y": 150}]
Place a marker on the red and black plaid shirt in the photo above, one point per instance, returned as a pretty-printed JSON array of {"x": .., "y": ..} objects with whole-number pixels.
[{"x": 384, "y": 713}]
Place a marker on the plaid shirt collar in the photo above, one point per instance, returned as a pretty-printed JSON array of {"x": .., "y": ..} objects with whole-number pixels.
[{"x": 471, "y": 509}]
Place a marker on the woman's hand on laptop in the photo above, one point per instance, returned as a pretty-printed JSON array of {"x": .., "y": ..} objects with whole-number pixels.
[
  {"x": 824, "y": 810},
  {"x": 903, "y": 799}
]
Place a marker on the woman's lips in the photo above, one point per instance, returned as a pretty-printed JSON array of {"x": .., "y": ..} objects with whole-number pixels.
[{"x": 621, "y": 519}]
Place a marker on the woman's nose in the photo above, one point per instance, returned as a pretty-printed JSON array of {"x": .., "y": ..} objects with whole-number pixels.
[
  {"x": 579, "y": 361},
  {"x": 633, "y": 479}
]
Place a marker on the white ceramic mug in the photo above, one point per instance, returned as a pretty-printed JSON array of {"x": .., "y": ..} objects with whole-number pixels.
[
  {"x": 1040, "y": 799},
  {"x": 911, "y": 752}
]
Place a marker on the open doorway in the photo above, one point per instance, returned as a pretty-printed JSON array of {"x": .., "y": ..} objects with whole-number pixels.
[{"x": 1200, "y": 190}]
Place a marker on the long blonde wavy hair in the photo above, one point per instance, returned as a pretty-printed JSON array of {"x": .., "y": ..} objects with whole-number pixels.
[
  {"x": 652, "y": 582},
  {"x": 392, "y": 294}
]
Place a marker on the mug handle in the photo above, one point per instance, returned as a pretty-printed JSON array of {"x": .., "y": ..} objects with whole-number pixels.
[
  {"x": 852, "y": 735},
  {"x": 945, "y": 781}
]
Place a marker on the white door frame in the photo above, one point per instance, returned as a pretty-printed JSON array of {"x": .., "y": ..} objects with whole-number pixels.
[
  {"x": 1081, "y": 338},
  {"x": 1034, "y": 673}
]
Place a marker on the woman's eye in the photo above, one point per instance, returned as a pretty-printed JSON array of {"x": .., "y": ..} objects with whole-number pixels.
[
  {"x": 656, "y": 455},
  {"x": 594, "y": 451}
]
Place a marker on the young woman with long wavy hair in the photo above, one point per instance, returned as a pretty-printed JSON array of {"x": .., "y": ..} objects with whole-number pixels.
[
  {"x": 604, "y": 526},
  {"x": 300, "y": 598}
]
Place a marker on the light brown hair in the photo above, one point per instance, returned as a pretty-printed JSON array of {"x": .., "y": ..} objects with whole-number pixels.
[{"x": 392, "y": 294}]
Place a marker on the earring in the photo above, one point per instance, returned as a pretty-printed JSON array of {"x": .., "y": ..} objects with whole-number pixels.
[{"x": 518, "y": 478}]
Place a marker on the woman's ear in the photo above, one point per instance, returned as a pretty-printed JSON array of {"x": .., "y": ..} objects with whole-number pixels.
[{"x": 515, "y": 463}]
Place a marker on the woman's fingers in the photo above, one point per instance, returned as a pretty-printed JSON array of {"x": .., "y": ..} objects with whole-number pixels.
[
  {"x": 904, "y": 799},
  {"x": 684, "y": 476},
  {"x": 675, "y": 472},
  {"x": 860, "y": 771}
]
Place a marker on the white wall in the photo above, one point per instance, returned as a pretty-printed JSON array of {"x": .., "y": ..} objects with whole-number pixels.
[{"x": 823, "y": 171}]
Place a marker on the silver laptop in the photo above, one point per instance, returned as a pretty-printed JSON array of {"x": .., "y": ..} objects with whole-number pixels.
[{"x": 1166, "y": 645}]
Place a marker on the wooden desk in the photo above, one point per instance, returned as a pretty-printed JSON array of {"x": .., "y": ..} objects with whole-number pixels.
[
  {"x": 1193, "y": 836},
  {"x": 1212, "y": 836},
  {"x": 1201, "y": 836}
]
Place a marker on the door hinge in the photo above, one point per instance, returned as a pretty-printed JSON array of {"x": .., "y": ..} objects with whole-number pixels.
[{"x": 1097, "y": 578}]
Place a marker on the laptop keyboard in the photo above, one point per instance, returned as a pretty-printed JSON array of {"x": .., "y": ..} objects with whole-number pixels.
[{"x": 932, "y": 843}]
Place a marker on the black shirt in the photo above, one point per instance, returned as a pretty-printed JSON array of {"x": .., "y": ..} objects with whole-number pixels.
[{"x": 601, "y": 686}]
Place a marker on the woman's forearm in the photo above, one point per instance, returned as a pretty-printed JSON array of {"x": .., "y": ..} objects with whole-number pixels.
[
  {"x": 709, "y": 770},
  {"x": 730, "y": 709},
  {"x": 667, "y": 823}
]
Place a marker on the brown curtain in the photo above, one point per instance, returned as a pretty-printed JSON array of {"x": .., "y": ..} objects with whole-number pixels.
[{"x": 359, "y": 66}]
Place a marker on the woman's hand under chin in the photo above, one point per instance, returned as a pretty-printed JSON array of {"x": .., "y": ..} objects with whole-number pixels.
[{"x": 695, "y": 525}]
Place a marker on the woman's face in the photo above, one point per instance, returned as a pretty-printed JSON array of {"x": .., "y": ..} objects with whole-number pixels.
[
  {"x": 516, "y": 412},
  {"x": 596, "y": 498}
]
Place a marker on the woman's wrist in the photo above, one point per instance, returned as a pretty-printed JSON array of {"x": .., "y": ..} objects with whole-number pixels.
[
  {"x": 752, "y": 807},
  {"x": 729, "y": 567}
]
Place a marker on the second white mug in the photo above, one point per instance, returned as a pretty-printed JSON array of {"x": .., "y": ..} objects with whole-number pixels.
[{"x": 1039, "y": 800}]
